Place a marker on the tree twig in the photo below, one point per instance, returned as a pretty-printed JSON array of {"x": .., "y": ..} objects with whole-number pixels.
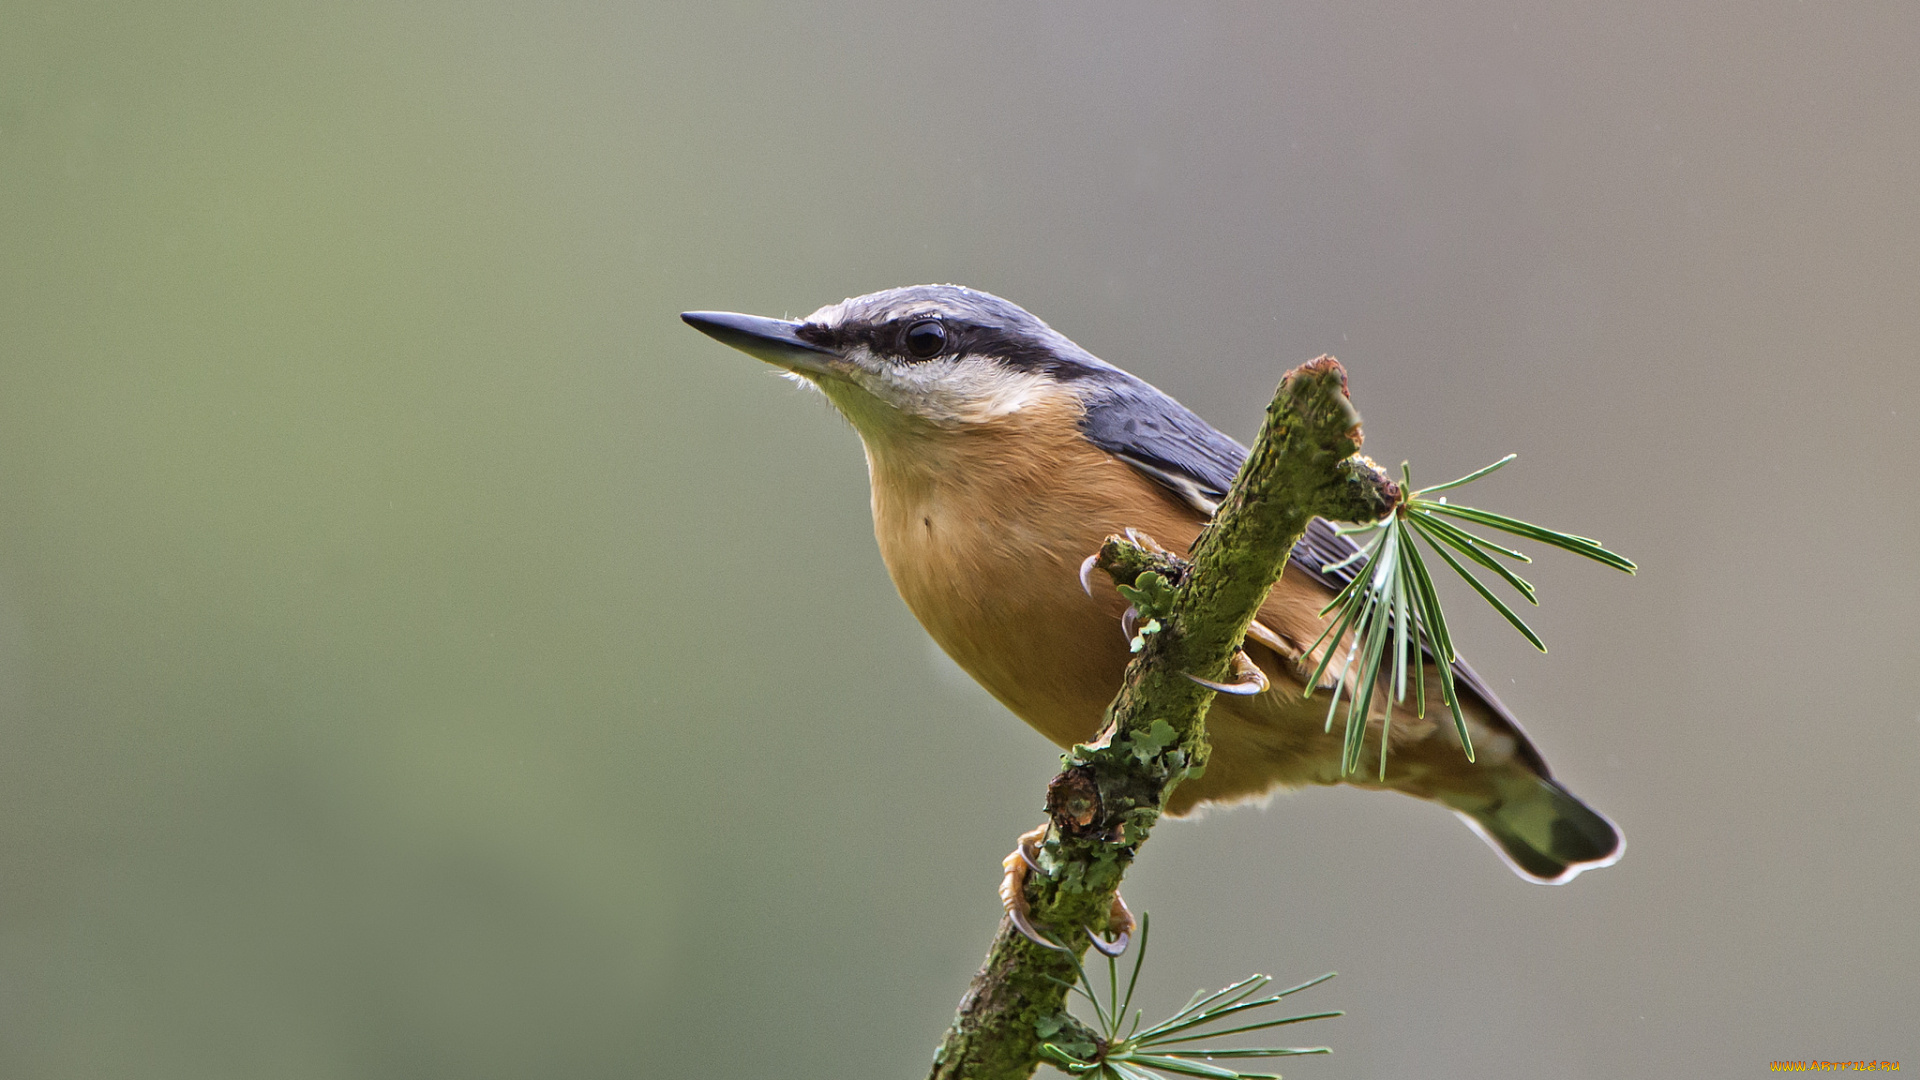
[{"x": 1110, "y": 793}]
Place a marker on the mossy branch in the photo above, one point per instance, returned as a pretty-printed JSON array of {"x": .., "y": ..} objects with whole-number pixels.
[{"x": 1110, "y": 793}]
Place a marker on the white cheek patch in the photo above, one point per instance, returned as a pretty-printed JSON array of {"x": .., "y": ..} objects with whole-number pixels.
[{"x": 966, "y": 390}]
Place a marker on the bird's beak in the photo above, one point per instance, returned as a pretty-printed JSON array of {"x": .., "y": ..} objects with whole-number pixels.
[{"x": 772, "y": 340}]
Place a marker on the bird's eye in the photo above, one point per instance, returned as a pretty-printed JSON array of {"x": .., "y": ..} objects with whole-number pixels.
[{"x": 926, "y": 338}]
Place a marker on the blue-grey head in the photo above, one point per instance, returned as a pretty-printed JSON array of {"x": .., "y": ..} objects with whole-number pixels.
[
  {"x": 940, "y": 354},
  {"x": 945, "y": 357}
]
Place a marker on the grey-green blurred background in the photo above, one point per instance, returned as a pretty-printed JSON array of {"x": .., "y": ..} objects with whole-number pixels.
[{"x": 422, "y": 656}]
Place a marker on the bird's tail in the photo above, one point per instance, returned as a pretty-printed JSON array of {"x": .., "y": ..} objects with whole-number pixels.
[{"x": 1543, "y": 832}]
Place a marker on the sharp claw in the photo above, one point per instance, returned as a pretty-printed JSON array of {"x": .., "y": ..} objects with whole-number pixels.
[
  {"x": 1250, "y": 688},
  {"x": 1129, "y": 621},
  {"x": 1218, "y": 687},
  {"x": 1025, "y": 926},
  {"x": 1252, "y": 679},
  {"x": 1013, "y": 887},
  {"x": 1086, "y": 573},
  {"x": 1271, "y": 640},
  {"x": 1120, "y": 917},
  {"x": 1144, "y": 542},
  {"x": 1109, "y": 948}
]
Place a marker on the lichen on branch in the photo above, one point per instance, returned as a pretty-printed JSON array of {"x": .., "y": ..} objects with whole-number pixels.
[{"x": 1110, "y": 793}]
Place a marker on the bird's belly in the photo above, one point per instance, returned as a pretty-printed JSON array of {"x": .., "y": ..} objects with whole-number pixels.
[
  {"x": 1003, "y": 599},
  {"x": 1006, "y": 604},
  {"x": 1001, "y": 594},
  {"x": 994, "y": 577}
]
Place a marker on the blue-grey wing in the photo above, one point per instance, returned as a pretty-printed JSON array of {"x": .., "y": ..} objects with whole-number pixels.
[
  {"x": 1163, "y": 439},
  {"x": 1171, "y": 444}
]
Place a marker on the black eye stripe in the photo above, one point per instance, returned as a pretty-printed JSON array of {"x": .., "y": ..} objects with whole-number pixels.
[{"x": 1017, "y": 350}]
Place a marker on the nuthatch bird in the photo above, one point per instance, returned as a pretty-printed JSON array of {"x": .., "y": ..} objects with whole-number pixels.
[{"x": 1001, "y": 454}]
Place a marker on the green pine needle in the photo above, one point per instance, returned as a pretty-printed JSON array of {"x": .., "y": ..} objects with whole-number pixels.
[
  {"x": 1392, "y": 611},
  {"x": 1158, "y": 1051}
]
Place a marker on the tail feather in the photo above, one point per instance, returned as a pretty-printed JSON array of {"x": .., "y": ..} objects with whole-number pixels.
[{"x": 1544, "y": 833}]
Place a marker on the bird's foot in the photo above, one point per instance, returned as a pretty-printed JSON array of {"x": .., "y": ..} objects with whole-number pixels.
[
  {"x": 1147, "y": 543},
  {"x": 1248, "y": 679},
  {"x": 1119, "y": 924},
  {"x": 1086, "y": 572},
  {"x": 1022, "y": 861},
  {"x": 1156, "y": 558}
]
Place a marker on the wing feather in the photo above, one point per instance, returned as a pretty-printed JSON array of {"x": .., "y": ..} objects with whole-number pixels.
[{"x": 1174, "y": 447}]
